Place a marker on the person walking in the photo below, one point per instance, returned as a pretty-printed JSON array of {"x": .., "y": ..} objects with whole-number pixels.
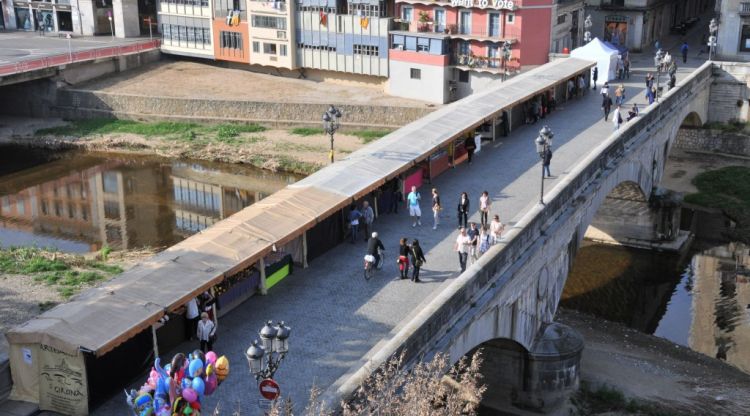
[
  {"x": 462, "y": 248},
  {"x": 571, "y": 89},
  {"x": 470, "y": 146},
  {"x": 206, "y": 332},
  {"x": 605, "y": 89},
  {"x": 626, "y": 66},
  {"x": 606, "y": 106},
  {"x": 594, "y": 77},
  {"x": 484, "y": 208},
  {"x": 473, "y": 234},
  {"x": 436, "y": 208},
  {"x": 582, "y": 88},
  {"x": 354, "y": 218},
  {"x": 619, "y": 95},
  {"x": 485, "y": 239},
  {"x": 403, "y": 258},
  {"x": 546, "y": 159},
  {"x": 657, "y": 45},
  {"x": 463, "y": 210},
  {"x": 192, "y": 315},
  {"x": 650, "y": 94},
  {"x": 417, "y": 260},
  {"x": 684, "y": 49},
  {"x": 414, "y": 211},
  {"x": 496, "y": 229},
  {"x": 617, "y": 118},
  {"x": 368, "y": 216}
]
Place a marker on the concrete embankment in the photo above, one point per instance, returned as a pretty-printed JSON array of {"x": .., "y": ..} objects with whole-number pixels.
[{"x": 81, "y": 104}]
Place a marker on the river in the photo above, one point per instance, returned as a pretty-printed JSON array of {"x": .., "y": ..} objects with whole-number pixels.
[
  {"x": 700, "y": 300},
  {"x": 79, "y": 202}
]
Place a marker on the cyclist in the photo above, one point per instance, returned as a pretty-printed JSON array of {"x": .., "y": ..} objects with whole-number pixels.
[{"x": 374, "y": 245}]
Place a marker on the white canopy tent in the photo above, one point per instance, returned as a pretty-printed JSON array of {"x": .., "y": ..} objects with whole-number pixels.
[{"x": 605, "y": 57}]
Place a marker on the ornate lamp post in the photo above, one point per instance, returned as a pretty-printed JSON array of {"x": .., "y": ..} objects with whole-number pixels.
[
  {"x": 713, "y": 27},
  {"x": 506, "y": 57},
  {"x": 587, "y": 29},
  {"x": 265, "y": 358},
  {"x": 331, "y": 123},
  {"x": 659, "y": 61},
  {"x": 543, "y": 142}
]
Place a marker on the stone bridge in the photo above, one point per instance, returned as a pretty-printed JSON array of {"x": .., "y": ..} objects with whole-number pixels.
[{"x": 508, "y": 298}]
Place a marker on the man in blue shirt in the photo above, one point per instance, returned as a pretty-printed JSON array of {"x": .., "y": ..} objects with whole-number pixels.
[
  {"x": 684, "y": 50},
  {"x": 413, "y": 200}
]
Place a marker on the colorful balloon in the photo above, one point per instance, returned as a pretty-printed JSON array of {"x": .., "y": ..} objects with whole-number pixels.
[
  {"x": 222, "y": 368},
  {"x": 189, "y": 395},
  {"x": 196, "y": 368},
  {"x": 211, "y": 357},
  {"x": 199, "y": 386},
  {"x": 211, "y": 383}
]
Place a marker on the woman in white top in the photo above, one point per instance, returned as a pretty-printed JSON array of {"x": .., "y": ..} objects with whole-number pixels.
[
  {"x": 617, "y": 118},
  {"x": 496, "y": 229},
  {"x": 484, "y": 208},
  {"x": 206, "y": 332},
  {"x": 463, "y": 243}
]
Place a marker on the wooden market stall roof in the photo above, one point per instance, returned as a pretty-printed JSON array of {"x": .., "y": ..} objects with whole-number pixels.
[{"x": 102, "y": 318}]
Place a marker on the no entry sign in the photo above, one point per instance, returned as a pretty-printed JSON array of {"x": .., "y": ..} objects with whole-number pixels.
[{"x": 269, "y": 389}]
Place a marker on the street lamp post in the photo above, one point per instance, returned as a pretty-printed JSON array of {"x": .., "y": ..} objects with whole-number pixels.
[
  {"x": 713, "y": 27},
  {"x": 506, "y": 56},
  {"x": 587, "y": 29},
  {"x": 543, "y": 142},
  {"x": 658, "y": 60},
  {"x": 265, "y": 358},
  {"x": 331, "y": 124}
]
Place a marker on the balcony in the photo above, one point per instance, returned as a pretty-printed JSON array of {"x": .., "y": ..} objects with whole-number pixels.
[
  {"x": 482, "y": 63},
  {"x": 468, "y": 33},
  {"x": 745, "y": 9}
]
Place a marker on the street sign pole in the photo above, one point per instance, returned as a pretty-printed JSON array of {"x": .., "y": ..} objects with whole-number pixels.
[{"x": 270, "y": 392}]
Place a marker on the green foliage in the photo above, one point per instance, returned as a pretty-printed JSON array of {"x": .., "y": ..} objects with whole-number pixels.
[
  {"x": 368, "y": 136},
  {"x": 189, "y": 132},
  {"x": 307, "y": 131},
  {"x": 104, "y": 252},
  {"x": 68, "y": 273},
  {"x": 727, "y": 189},
  {"x": 730, "y": 127}
]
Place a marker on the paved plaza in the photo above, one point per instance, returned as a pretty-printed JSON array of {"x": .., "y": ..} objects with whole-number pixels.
[{"x": 337, "y": 317}]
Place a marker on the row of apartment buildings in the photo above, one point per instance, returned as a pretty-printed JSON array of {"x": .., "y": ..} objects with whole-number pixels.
[{"x": 408, "y": 46}]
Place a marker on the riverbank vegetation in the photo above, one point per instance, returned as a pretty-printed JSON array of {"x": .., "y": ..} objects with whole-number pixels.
[
  {"x": 727, "y": 189},
  {"x": 68, "y": 274},
  {"x": 301, "y": 150}
]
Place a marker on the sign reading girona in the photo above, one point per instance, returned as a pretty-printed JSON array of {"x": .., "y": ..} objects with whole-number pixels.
[{"x": 483, "y": 4}]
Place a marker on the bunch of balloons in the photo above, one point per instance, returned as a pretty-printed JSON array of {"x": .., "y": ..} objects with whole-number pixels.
[{"x": 178, "y": 387}]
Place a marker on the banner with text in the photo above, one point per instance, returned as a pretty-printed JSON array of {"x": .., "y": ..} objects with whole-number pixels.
[{"x": 62, "y": 382}]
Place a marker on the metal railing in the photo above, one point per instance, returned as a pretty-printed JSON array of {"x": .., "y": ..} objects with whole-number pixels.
[
  {"x": 78, "y": 56},
  {"x": 476, "y": 61},
  {"x": 745, "y": 8}
]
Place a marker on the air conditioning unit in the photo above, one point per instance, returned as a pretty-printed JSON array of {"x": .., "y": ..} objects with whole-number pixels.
[{"x": 274, "y": 58}]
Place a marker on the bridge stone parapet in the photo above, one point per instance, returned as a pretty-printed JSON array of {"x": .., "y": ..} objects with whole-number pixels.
[{"x": 513, "y": 289}]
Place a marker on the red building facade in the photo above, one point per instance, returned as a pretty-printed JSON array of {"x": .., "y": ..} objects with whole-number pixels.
[{"x": 465, "y": 39}]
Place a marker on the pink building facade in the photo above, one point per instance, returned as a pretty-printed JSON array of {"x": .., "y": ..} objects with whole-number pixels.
[{"x": 460, "y": 44}]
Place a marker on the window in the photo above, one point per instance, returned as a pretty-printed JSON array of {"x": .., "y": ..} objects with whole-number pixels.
[
  {"x": 745, "y": 39},
  {"x": 282, "y": 50},
  {"x": 494, "y": 24},
  {"x": 370, "y": 50},
  {"x": 407, "y": 13},
  {"x": 269, "y": 22},
  {"x": 510, "y": 18},
  {"x": 463, "y": 76},
  {"x": 439, "y": 20},
  {"x": 199, "y": 37},
  {"x": 415, "y": 73},
  {"x": 256, "y": 47},
  {"x": 269, "y": 48},
  {"x": 464, "y": 48},
  {"x": 423, "y": 45},
  {"x": 464, "y": 22},
  {"x": 493, "y": 53},
  {"x": 317, "y": 47},
  {"x": 561, "y": 19},
  {"x": 231, "y": 40}
]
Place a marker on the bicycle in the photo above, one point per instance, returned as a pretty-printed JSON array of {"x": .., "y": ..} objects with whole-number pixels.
[{"x": 370, "y": 267}]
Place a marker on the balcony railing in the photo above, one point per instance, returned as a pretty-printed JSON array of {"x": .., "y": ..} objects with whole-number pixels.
[
  {"x": 745, "y": 8},
  {"x": 469, "y": 32},
  {"x": 476, "y": 61}
]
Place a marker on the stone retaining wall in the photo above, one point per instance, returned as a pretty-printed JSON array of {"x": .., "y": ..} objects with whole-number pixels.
[
  {"x": 709, "y": 140},
  {"x": 81, "y": 104}
]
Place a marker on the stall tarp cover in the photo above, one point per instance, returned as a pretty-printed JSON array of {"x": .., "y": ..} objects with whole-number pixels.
[{"x": 62, "y": 382}]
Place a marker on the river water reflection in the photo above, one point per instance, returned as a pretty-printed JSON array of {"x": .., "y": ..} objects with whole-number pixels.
[
  {"x": 78, "y": 202},
  {"x": 702, "y": 302}
]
